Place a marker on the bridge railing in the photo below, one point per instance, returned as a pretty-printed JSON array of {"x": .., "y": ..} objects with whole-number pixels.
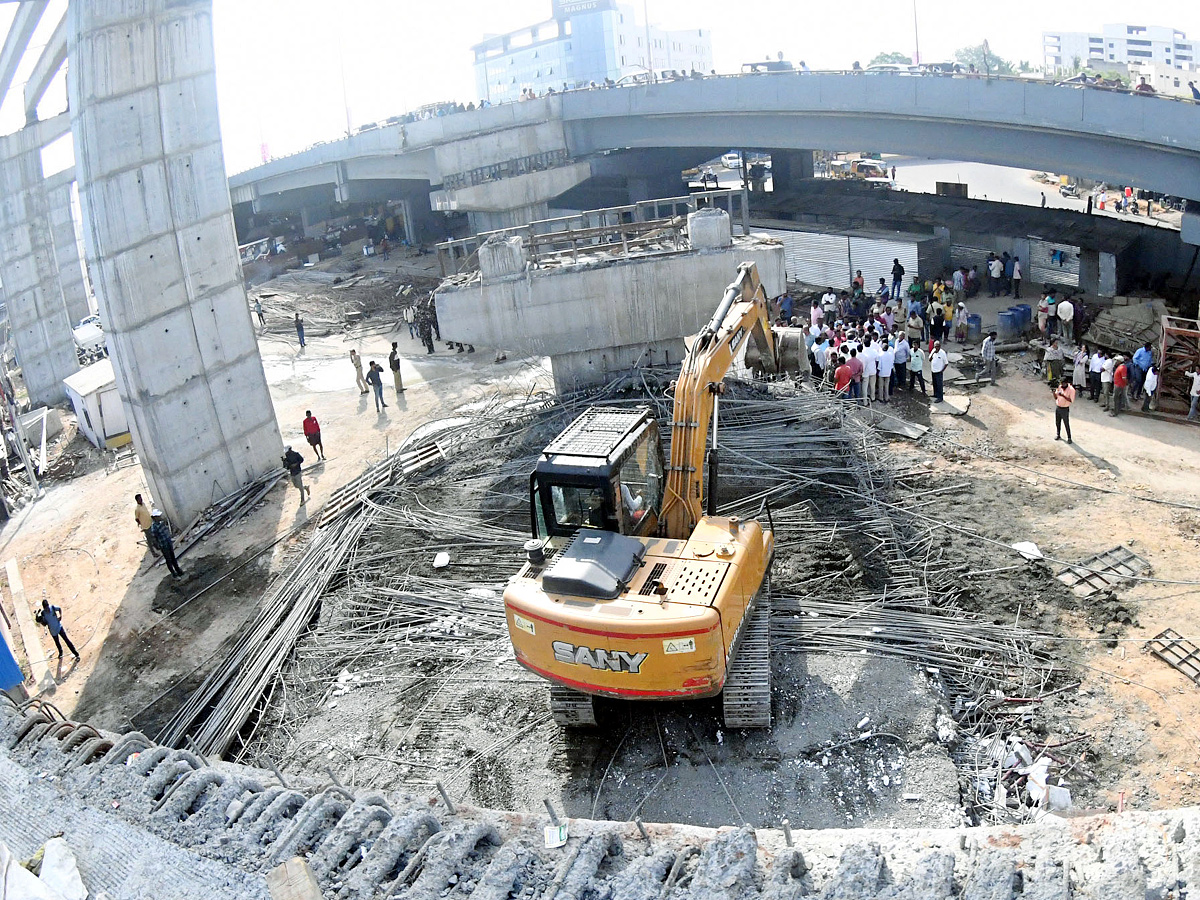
[{"x": 611, "y": 225}]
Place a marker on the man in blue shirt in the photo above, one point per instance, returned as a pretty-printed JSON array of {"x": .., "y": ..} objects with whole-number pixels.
[
  {"x": 1142, "y": 358},
  {"x": 51, "y": 617}
]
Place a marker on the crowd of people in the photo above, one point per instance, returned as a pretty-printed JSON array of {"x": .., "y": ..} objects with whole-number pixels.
[{"x": 867, "y": 346}]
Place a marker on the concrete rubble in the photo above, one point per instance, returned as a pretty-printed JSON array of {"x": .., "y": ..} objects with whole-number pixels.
[{"x": 132, "y": 810}]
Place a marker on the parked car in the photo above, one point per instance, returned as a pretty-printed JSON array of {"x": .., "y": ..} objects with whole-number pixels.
[{"x": 731, "y": 160}]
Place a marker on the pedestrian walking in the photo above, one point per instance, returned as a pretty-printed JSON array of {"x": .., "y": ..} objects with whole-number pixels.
[
  {"x": 145, "y": 521},
  {"x": 312, "y": 433},
  {"x": 1150, "y": 389},
  {"x": 938, "y": 360},
  {"x": 51, "y": 617},
  {"x": 1120, "y": 387},
  {"x": 989, "y": 356},
  {"x": 1043, "y": 199},
  {"x": 292, "y": 461},
  {"x": 376, "y": 382},
  {"x": 1194, "y": 392},
  {"x": 162, "y": 537},
  {"x": 356, "y": 361},
  {"x": 394, "y": 363},
  {"x": 262, "y": 321},
  {"x": 1016, "y": 272},
  {"x": 410, "y": 319},
  {"x": 1064, "y": 396},
  {"x": 299, "y": 323}
]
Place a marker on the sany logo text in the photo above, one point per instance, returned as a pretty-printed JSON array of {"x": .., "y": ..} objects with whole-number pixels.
[{"x": 599, "y": 658}]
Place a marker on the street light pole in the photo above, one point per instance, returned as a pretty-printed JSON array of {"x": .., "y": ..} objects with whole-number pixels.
[
  {"x": 649, "y": 52},
  {"x": 916, "y": 37}
]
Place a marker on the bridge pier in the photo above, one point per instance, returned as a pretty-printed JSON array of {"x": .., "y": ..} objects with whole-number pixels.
[
  {"x": 162, "y": 249},
  {"x": 39, "y": 317},
  {"x": 72, "y": 277},
  {"x": 789, "y": 167}
]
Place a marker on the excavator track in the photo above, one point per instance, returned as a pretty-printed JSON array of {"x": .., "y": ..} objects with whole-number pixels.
[
  {"x": 746, "y": 697},
  {"x": 572, "y": 709}
]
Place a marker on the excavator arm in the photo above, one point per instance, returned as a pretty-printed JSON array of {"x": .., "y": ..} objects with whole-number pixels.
[{"x": 742, "y": 315}]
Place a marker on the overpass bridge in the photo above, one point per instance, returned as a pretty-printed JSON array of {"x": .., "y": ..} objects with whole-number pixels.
[{"x": 509, "y": 162}]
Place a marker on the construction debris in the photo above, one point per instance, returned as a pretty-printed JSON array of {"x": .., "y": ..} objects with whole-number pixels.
[
  {"x": 1104, "y": 571},
  {"x": 1177, "y": 652}
]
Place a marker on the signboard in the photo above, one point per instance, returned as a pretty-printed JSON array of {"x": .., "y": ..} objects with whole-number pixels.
[{"x": 565, "y": 8}]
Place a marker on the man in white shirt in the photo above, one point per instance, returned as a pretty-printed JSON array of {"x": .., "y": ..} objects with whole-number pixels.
[
  {"x": 886, "y": 362},
  {"x": 870, "y": 376},
  {"x": 1106, "y": 381},
  {"x": 938, "y": 360},
  {"x": 989, "y": 356},
  {"x": 995, "y": 273},
  {"x": 1194, "y": 392},
  {"x": 1095, "y": 367},
  {"x": 1016, "y": 277},
  {"x": 1066, "y": 320}
]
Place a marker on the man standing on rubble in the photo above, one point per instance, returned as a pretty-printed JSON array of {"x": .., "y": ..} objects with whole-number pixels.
[
  {"x": 1066, "y": 319},
  {"x": 162, "y": 536},
  {"x": 989, "y": 356},
  {"x": 394, "y": 364},
  {"x": 299, "y": 323},
  {"x": 1142, "y": 358},
  {"x": 938, "y": 360},
  {"x": 145, "y": 522}
]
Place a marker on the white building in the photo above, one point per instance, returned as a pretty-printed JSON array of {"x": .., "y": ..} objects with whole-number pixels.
[
  {"x": 582, "y": 42},
  {"x": 1129, "y": 44}
]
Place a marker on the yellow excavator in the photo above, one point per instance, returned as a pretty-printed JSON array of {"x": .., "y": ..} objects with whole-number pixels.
[{"x": 633, "y": 587}]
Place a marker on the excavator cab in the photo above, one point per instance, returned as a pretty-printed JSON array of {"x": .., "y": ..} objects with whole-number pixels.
[{"x": 604, "y": 471}]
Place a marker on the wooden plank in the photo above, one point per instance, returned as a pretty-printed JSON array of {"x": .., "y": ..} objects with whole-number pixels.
[{"x": 39, "y": 662}]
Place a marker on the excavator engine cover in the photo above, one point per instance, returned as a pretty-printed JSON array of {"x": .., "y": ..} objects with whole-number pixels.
[{"x": 596, "y": 564}]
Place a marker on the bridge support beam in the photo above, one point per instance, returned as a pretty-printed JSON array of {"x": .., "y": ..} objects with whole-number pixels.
[
  {"x": 71, "y": 275},
  {"x": 789, "y": 167},
  {"x": 162, "y": 250},
  {"x": 41, "y": 324}
]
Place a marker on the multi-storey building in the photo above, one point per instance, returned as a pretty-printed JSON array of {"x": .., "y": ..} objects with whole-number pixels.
[
  {"x": 1129, "y": 44},
  {"x": 583, "y": 41}
]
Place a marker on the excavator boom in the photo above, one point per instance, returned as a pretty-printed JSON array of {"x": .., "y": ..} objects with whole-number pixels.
[{"x": 741, "y": 314}]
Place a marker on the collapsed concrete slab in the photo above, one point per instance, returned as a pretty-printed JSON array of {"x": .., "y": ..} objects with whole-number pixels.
[{"x": 618, "y": 301}]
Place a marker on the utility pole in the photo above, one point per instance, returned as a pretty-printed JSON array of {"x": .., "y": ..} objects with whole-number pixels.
[
  {"x": 649, "y": 52},
  {"x": 916, "y": 37}
]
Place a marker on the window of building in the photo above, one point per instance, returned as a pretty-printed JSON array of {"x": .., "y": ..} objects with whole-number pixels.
[
  {"x": 621, "y": 39},
  {"x": 1134, "y": 43},
  {"x": 1095, "y": 40},
  {"x": 1176, "y": 82},
  {"x": 1141, "y": 54},
  {"x": 622, "y": 60}
]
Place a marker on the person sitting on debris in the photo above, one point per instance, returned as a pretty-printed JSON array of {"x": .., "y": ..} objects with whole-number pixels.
[
  {"x": 293, "y": 461},
  {"x": 145, "y": 521},
  {"x": 1054, "y": 362}
]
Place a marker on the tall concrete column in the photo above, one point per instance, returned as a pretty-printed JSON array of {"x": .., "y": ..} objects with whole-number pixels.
[
  {"x": 789, "y": 167},
  {"x": 67, "y": 258},
  {"x": 41, "y": 326},
  {"x": 161, "y": 247}
]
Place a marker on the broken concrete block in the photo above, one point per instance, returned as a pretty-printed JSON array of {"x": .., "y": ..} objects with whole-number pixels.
[
  {"x": 708, "y": 229},
  {"x": 293, "y": 880}
]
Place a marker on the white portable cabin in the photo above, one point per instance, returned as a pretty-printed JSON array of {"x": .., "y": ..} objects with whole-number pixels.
[{"x": 98, "y": 407}]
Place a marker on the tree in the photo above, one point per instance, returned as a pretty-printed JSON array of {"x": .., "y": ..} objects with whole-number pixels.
[
  {"x": 893, "y": 58},
  {"x": 983, "y": 59}
]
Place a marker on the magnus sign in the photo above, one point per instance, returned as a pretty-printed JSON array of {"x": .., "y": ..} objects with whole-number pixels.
[{"x": 565, "y": 8}]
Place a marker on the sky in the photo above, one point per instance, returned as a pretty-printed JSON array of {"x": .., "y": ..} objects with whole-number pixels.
[{"x": 293, "y": 72}]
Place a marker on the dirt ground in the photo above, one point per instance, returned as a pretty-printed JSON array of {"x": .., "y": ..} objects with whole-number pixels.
[{"x": 1129, "y": 725}]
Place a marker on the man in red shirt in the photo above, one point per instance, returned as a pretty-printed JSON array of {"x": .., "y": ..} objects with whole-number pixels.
[
  {"x": 312, "y": 433},
  {"x": 1120, "y": 386},
  {"x": 843, "y": 377},
  {"x": 856, "y": 371}
]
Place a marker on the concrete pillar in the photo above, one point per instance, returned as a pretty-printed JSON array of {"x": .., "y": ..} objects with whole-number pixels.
[
  {"x": 788, "y": 167},
  {"x": 71, "y": 275},
  {"x": 41, "y": 326},
  {"x": 162, "y": 251}
]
